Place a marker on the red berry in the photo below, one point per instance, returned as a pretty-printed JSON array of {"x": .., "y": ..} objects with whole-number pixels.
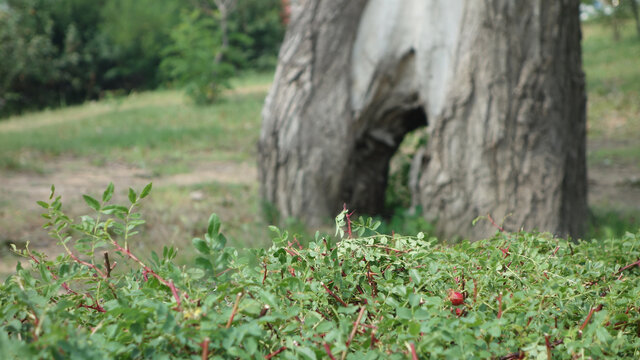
[
  {"x": 459, "y": 312},
  {"x": 456, "y": 298}
]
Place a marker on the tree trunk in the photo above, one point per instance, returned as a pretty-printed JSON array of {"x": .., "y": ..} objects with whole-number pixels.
[{"x": 500, "y": 83}]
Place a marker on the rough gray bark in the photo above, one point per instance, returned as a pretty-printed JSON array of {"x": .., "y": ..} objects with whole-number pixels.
[{"x": 500, "y": 83}]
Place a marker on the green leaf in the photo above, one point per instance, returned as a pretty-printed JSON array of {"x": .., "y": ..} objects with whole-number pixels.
[
  {"x": 307, "y": 352},
  {"x": 201, "y": 246},
  {"x": 132, "y": 196},
  {"x": 113, "y": 209},
  {"x": 108, "y": 193},
  {"x": 219, "y": 242},
  {"x": 43, "y": 204},
  {"x": 214, "y": 225},
  {"x": 91, "y": 202},
  {"x": 204, "y": 263},
  {"x": 145, "y": 192}
]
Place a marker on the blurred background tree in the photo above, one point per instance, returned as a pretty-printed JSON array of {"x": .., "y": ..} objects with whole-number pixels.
[
  {"x": 612, "y": 12},
  {"x": 57, "y": 52}
]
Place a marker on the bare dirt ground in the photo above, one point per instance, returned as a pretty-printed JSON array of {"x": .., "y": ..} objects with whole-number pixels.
[
  {"x": 611, "y": 185},
  {"x": 77, "y": 176}
]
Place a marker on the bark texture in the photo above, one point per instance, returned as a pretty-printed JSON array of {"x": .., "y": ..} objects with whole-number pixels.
[{"x": 500, "y": 83}]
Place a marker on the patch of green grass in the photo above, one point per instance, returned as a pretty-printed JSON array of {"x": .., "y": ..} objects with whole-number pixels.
[
  {"x": 613, "y": 81},
  {"x": 158, "y": 128},
  {"x": 625, "y": 155},
  {"x": 610, "y": 223}
]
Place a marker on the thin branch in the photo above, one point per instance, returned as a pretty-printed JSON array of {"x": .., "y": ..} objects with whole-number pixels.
[
  {"x": 637, "y": 263},
  {"x": 414, "y": 356},
  {"x": 205, "y": 348},
  {"x": 107, "y": 264},
  {"x": 334, "y": 295},
  {"x": 494, "y": 223},
  {"x": 267, "y": 357},
  {"x": 327, "y": 349},
  {"x": 234, "y": 310}
]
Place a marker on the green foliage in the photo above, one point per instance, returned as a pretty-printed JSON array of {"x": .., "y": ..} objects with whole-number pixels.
[
  {"x": 56, "y": 52},
  {"x": 191, "y": 58},
  {"x": 373, "y": 295},
  {"x": 138, "y": 31},
  {"x": 261, "y": 21},
  {"x": 51, "y": 53}
]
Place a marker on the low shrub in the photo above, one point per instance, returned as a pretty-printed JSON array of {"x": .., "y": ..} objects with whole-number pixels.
[{"x": 358, "y": 295}]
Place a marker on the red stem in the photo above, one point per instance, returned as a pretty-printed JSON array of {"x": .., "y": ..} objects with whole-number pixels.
[
  {"x": 234, "y": 310},
  {"x": 267, "y": 357},
  {"x": 334, "y": 295},
  {"x": 548, "y": 345},
  {"x": 205, "y": 348},
  {"x": 355, "y": 326},
  {"x": 637, "y": 263},
  {"x": 475, "y": 290},
  {"x": 414, "y": 356},
  {"x": 348, "y": 215},
  {"x": 265, "y": 273},
  {"x": 92, "y": 266},
  {"x": 148, "y": 270},
  {"x": 328, "y": 350},
  {"x": 500, "y": 306},
  {"x": 586, "y": 321},
  {"x": 494, "y": 224}
]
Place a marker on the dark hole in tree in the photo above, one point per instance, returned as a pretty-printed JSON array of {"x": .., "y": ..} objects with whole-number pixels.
[{"x": 366, "y": 182}]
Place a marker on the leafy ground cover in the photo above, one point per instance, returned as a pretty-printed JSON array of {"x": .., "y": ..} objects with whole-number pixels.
[{"x": 359, "y": 294}]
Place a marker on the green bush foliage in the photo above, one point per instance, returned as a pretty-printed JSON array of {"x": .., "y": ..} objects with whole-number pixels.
[
  {"x": 357, "y": 295},
  {"x": 50, "y": 53},
  {"x": 57, "y": 52}
]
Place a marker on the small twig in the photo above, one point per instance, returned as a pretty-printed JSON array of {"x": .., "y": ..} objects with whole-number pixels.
[
  {"x": 414, "y": 356},
  {"x": 500, "y": 306},
  {"x": 205, "y": 348},
  {"x": 355, "y": 325},
  {"x": 353, "y": 331},
  {"x": 637, "y": 263},
  {"x": 327, "y": 349},
  {"x": 107, "y": 264},
  {"x": 515, "y": 355},
  {"x": 548, "y": 345},
  {"x": 264, "y": 310},
  {"x": 234, "y": 310},
  {"x": 334, "y": 295},
  {"x": 475, "y": 290},
  {"x": 494, "y": 223},
  {"x": 92, "y": 266},
  {"x": 348, "y": 215},
  {"x": 148, "y": 270},
  {"x": 267, "y": 357},
  {"x": 586, "y": 321},
  {"x": 265, "y": 272}
]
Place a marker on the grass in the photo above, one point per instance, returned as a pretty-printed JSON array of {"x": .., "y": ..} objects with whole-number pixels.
[
  {"x": 150, "y": 130},
  {"x": 613, "y": 82}
]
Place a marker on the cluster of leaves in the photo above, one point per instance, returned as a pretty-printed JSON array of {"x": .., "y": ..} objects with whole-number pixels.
[{"x": 365, "y": 296}]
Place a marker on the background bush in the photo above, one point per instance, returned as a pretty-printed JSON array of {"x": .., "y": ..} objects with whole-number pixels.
[{"x": 56, "y": 52}]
